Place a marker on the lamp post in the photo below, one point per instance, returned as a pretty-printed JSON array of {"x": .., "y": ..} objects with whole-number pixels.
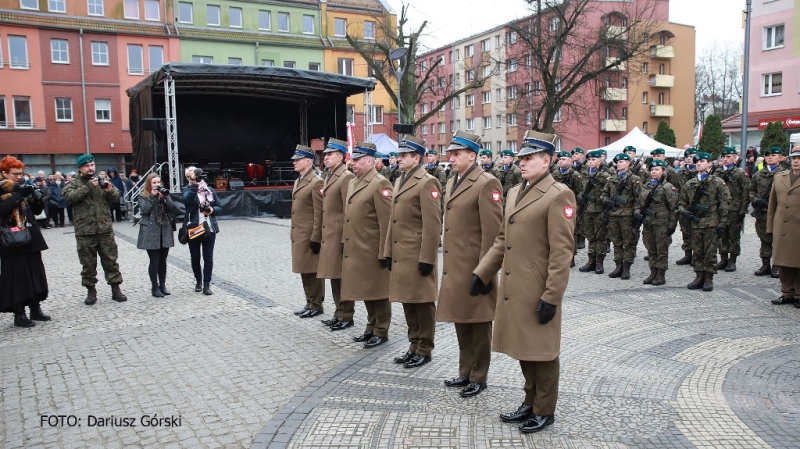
[
  {"x": 746, "y": 84},
  {"x": 399, "y": 55},
  {"x": 703, "y": 107}
]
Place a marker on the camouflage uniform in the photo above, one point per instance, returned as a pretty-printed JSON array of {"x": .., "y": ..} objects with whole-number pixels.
[
  {"x": 93, "y": 229},
  {"x": 384, "y": 171},
  {"x": 674, "y": 178},
  {"x": 593, "y": 225},
  {"x": 619, "y": 221},
  {"x": 661, "y": 218},
  {"x": 685, "y": 175},
  {"x": 437, "y": 172},
  {"x": 759, "y": 183},
  {"x": 574, "y": 180},
  {"x": 712, "y": 212},
  {"x": 508, "y": 177},
  {"x": 738, "y": 187}
]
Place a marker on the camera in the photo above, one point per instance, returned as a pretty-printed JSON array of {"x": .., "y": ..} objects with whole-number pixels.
[
  {"x": 199, "y": 174},
  {"x": 205, "y": 208},
  {"x": 163, "y": 190},
  {"x": 37, "y": 195},
  {"x": 101, "y": 182}
]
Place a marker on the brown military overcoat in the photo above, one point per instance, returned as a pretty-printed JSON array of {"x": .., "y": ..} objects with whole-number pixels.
[
  {"x": 413, "y": 237},
  {"x": 306, "y": 222},
  {"x": 365, "y": 226},
  {"x": 533, "y": 252},
  {"x": 472, "y": 218},
  {"x": 783, "y": 220},
  {"x": 334, "y": 197}
]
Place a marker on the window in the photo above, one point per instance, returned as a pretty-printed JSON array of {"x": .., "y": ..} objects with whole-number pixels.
[
  {"x": 458, "y": 125},
  {"x": 661, "y": 98},
  {"x": 57, "y": 6},
  {"x": 267, "y": 63},
  {"x": 558, "y": 84},
  {"x": 512, "y": 65},
  {"x": 554, "y": 22},
  {"x": 512, "y": 37},
  {"x": 498, "y": 119},
  {"x": 152, "y": 10},
  {"x": 470, "y": 99},
  {"x": 234, "y": 61},
  {"x": 289, "y": 64},
  {"x": 527, "y": 61},
  {"x": 512, "y": 145},
  {"x": 203, "y": 59},
  {"x": 369, "y": 30},
  {"x": 644, "y": 127},
  {"x": 424, "y": 108},
  {"x": 512, "y": 92},
  {"x": 156, "y": 54},
  {"x": 102, "y": 110},
  {"x": 644, "y": 67},
  {"x": 661, "y": 69},
  {"x": 511, "y": 119},
  {"x": 283, "y": 22},
  {"x": 470, "y": 124},
  {"x": 470, "y": 76},
  {"x": 772, "y": 83},
  {"x": 497, "y": 41},
  {"x": 424, "y": 130},
  {"x": 486, "y": 45},
  {"x": 528, "y": 118},
  {"x": 468, "y": 51},
  {"x": 99, "y": 53},
  {"x": 131, "y": 9},
  {"x": 608, "y": 141},
  {"x": 458, "y": 55},
  {"x": 499, "y": 94},
  {"x": 315, "y": 66},
  {"x": 377, "y": 115},
  {"x": 63, "y": 109},
  {"x": 624, "y": 83},
  {"x": 29, "y": 4},
  {"x": 644, "y": 97},
  {"x": 608, "y": 113},
  {"x": 96, "y": 8},
  {"x": 264, "y": 20},
  {"x": 537, "y": 88},
  {"x": 442, "y": 129},
  {"x": 487, "y": 146},
  {"x": 487, "y": 96},
  {"x": 185, "y": 12},
  {"x": 624, "y": 112},
  {"x": 527, "y": 91},
  {"x": 487, "y": 122},
  {"x": 339, "y": 27},
  {"x": 557, "y": 117},
  {"x": 135, "y": 60},
  {"x": 308, "y": 24},
  {"x": 773, "y": 37},
  {"x": 18, "y": 52},
  {"x": 345, "y": 66},
  {"x": 212, "y": 15},
  {"x": 59, "y": 51},
  {"x": 440, "y": 59},
  {"x": 23, "y": 118},
  {"x": 235, "y": 17},
  {"x": 3, "y": 118}
]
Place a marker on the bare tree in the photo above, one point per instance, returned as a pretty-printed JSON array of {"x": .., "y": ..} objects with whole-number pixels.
[
  {"x": 718, "y": 85},
  {"x": 417, "y": 79}
]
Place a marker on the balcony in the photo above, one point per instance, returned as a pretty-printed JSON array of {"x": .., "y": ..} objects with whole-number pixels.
[
  {"x": 615, "y": 94},
  {"x": 610, "y": 60},
  {"x": 661, "y": 110},
  {"x": 662, "y": 80},
  {"x": 662, "y": 51},
  {"x": 615, "y": 126},
  {"x": 616, "y": 33}
]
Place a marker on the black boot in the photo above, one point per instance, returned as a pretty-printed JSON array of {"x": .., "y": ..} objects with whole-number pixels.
[
  {"x": 765, "y": 269},
  {"x": 731, "y": 267},
  {"x": 590, "y": 264},
  {"x": 20, "y": 320},
  {"x": 686, "y": 259},
  {"x": 37, "y": 314},
  {"x": 581, "y": 242},
  {"x": 723, "y": 261},
  {"x": 617, "y": 271},
  {"x": 598, "y": 269},
  {"x": 572, "y": 264},
  {"x": 198, "y": 287},
  {"x": 157, "y": 292},
  {"x": 660, "y": 277},
  {"x": 708, "y": 283},
  {"x": 775, "y": 271},
  {"x": 91, "y": 296},
  {"x": 649, "y": 279},
  {"x": 626, "y": 271},
  {"x": 162, "y": 285},
  {"x": 116, "y": 294},
  {"x": 698, "y": 281},
  {"x": 207, "y": 290}
]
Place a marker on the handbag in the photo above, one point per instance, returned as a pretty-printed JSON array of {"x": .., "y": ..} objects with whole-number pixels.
[
  {"x": 14, "y": 236},
  {"x": 41, "y": 215},
  {"x": 199, "y": 233}
]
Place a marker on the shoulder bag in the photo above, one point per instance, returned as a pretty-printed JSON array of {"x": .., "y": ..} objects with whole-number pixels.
[{"x": 14, "y": 236}]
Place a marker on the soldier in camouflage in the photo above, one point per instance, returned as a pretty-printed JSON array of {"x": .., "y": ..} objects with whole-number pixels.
[
  {"x": 760, "y": 185},
  {"x": 382, "y": 169},
  {"x": 487, "y": 164},
  {"x": 605, "y": 166},
  {"x": 660, "y": 218},
  {"x": 707, "y": 219},
  {"x": 672, "y": 176},
  {"x": 93, "y": 228},
  {"x": 739, "y": 188},
  {"x": 590, "y": 210},
  {"x": 394, "y": 169},
  {"x": 687, "y": 172},
  {"x": 579, "y": 160},
  {"x": 566, "y": 174},
  {"x": 619, "y": 200},
  {"x": 508, "y": 173}
]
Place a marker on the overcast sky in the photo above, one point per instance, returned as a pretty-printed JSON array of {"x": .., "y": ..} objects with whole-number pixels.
[{"x": 451, "y": 20}]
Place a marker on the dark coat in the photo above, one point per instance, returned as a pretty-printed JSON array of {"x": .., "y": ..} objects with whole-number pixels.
[
  {"x": 57, "y": 195},
  {"x": 8, "y": 202},
  {"x": 155, "y": 227},
  {"x": 192, "y": 205}
]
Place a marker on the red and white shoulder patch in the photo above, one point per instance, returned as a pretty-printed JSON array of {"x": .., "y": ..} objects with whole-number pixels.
[
  {"x": 435, "y": 194},
  {"x": 496, "y": 197},
  {"x": 569, "y": 212},
  {"x": 322, "y": 191},
  {"x": 386, "y": 193}
]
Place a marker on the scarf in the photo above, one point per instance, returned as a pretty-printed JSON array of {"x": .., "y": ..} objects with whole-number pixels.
[{"x": 204, "y": 193}]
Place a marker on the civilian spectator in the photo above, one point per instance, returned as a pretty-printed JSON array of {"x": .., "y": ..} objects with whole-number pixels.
[{"x": 57, "y": 201}]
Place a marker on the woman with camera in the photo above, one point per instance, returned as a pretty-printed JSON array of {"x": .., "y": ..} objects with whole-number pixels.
[
  {"x": 202, "y": 207},
  {"x": 156, "y": 231},
  {"x": 23, "y": 281}
]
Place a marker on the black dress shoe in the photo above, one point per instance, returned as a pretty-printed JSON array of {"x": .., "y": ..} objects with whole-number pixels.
[
  {"x": 38, "y": 315},
  {"x": 198, "y": 287},
  {"x": 473, "y": 389},
  {"x": 363, "y": 337},
  {"x": 405, "y": 357},
  {"x": 522, "y": 413},
  {"x": 341, "y": 325},
  {"x": 301, "y": 311},
  {"x": 375, "y": 341},
  {"x": 207, "y": 290},
  {"x": 783, "y": 300},
  {"x": 417, "y": 361},
  {"x": 460, "y": 381},
  {"x": 537, "y": 423},
  {"x": 20, "y": 320},
  {"x": 330, "y": 321},
  {"x": 311, "y": 313}
]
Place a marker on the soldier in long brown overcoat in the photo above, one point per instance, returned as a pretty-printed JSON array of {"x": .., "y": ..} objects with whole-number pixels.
[
  {"x": 412, "y": 250},
  {"x": 472, "y": 217},
  {"x": 533, "y": 252},
  {"x": 783, "y": 222},
  {"x": 306, "y": 230},
  {"x": 365, "y": 276},
  {"x": 334, "y": 195}
]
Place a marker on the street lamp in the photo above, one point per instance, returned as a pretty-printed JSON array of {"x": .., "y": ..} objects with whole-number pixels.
[
  {"x": 399, "y": 55},
  {"x": 746, "y": 84},
  {"x": 703, "y": 107}
]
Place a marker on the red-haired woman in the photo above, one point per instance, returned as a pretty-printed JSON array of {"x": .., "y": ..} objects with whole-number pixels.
[{"x": 23, "y": 281}]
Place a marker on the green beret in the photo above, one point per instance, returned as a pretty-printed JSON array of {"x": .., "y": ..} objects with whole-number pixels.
[
  {"x": 577, "y": 150},
  {"x": 431, "y": 152},
  {"x": 729, "y": 150},
  {"x": 622, "y": 157},
  {"x": 703, "y": 155},
  {"x": 690, "y": 151},
  {"x": 657, "y": 151},
  {"x": 602, "y": 152},
  {"x": 564, "y": 154},
  {"x": 487, "y": 153},
  {"x": 507, "y": 153},
  {"x": 773, "y": 150},
  {"x": 657, "y": 163},
  {"x": 593, "y": 155},
  {"x": 393, "y": 154},
  {"x": 630, "y": 148},
  {"x": 83, "y": 160}
]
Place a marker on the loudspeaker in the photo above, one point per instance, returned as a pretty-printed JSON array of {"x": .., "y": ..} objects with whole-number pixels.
[
  {"x": 154, "y": 124},
  {"x": 236, "y": 185}
]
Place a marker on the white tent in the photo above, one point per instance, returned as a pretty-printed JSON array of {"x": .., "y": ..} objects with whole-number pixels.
[
  {"x": 643, "y": 144},
  {"x": 384, "y": 143}
]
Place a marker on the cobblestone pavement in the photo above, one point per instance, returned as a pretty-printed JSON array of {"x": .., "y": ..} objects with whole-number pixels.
[{"x": 641, "y": 366}]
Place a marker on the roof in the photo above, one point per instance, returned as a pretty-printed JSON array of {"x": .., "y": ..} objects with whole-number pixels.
[
  {"x": 368, "y": 5},
  {"x": 267, "y": 82},
  {"x": 643, "y": 144},
  {"x": 248, "y": 36},
  {"x": 754, "y": 117},
  {"x": 87, "y": 24}
]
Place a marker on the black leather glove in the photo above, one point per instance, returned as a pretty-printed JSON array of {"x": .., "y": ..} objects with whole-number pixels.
[
  {"x": 388, "y": 261},
  {"x": 760, "y": 203},
  {"x": 639, "y": 217},
  {"x": 341, "y": 249},
  {"x": 609, "y": 202},
  {"x": 546, "y": 312},
  {"x": 478, "y": 287},
  {"x": 689, "y": 215},
  {"x": 425, "y": 268},
  {"x": 315, "y": 247},
  {"x": 719, "y": 230},
  {"x": 384, "y": 263},
  {"x": 671, "y": 231}
]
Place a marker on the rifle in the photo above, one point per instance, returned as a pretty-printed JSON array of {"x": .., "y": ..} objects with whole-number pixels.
[
  {"x": 636, "y": 224},
  {"x": 586, "y": 195},
  {"x": 758, "y": 210},
  {"x": 726, "y": 178},
  {"x": 694, "y": 206},
  {"x": 607, "y": 209}
]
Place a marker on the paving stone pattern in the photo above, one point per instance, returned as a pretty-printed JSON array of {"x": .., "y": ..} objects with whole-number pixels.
[{"x": 641, "y": 366}]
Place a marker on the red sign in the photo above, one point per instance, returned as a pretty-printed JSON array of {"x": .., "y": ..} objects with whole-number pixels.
[{"x": 788, "y": 122}]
